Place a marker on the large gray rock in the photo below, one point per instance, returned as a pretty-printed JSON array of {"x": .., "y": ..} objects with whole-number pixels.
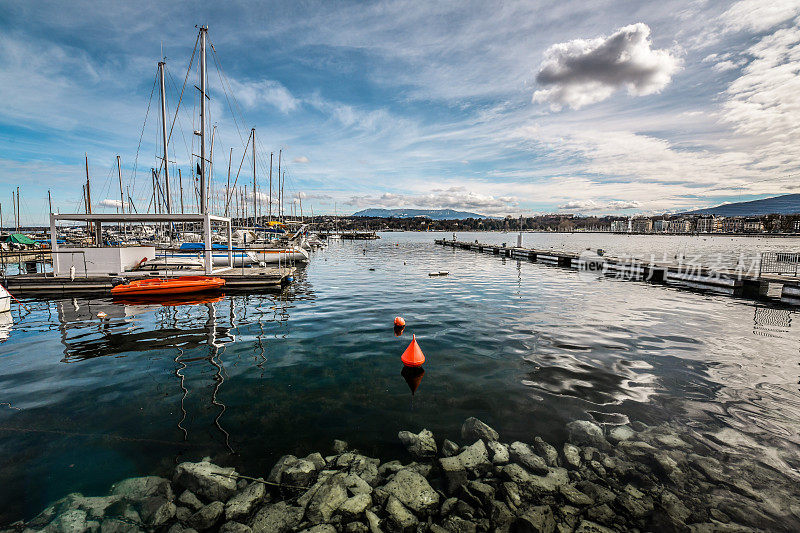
[
  {"x": 621, "y": 433},
  {"x": 585, "y": 433},
  {"x": 157, "y": 511},
  {"x": 139, "y": 488},
  {"x": 515, "y": 473},
  {"x": 320, "y": 528},
  {"x": 326, "y": 499},
  {"x": 207, "y": 516},
  {"x": 572, "y": 456},
  {"x": 276, "y": 518},
  {"x": 635, "y": 502},
  {"x": 299, "y": 474},
  {"x": 352, "y": 508},
  {"x": 473, "y": 429},
  {"x": 554, "y": 480},
  {"x": 207, "y": 480},
  {"x": 475, "y": 459},
  {"x": 234, "y": 527},
  {"x": 413, "y": 491},
  {"x": 537, "y": 519},
  {"x": 243, "y": 503},
  {"x": 449, "y": 448},
  {"x": 355, "y": 485},
  {"x": 116, "y": 525},
  {"x": 574, "y": 496},
  {"x": 547, "y": 451},
  {"x": 478, "y": 494},
  {"x": 522, "y": 454},
  {"x": 283, "y": 463},
  {"x": 591, "y": 527},
  {"x": 399, "y": 518},
  {"x": 420, "y": 445},
  {"x": 499, "y": 452},
  {"x": 373, "y": 521},
  {"x": 453, "y": 472},
  {"x": 189, "y": 500},
  {"x": 70, "y": 521}
]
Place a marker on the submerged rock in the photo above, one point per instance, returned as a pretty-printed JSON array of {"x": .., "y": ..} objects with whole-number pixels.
[
  {"x": 207, "y": 480},
  {"x": 327, "y": 498},
  {"x": 547, "y": 451},
  {"x": 522, "y": 454},
  {"x": 572, "y": 455},
  {"x": 400, "y": 518},
  {"x": 139, "y": 488},
  {"x": 449, "y": 448},
  {"x": 207, "y": 516},
  {"x": 413, "y": 491},
  {"x": 276, "y": 518},
  {"x": 473, "y": 429},
  {"x": 537, "y": 519},
  {"x": 420, "y": 445},
  {"x": 499, "y": 451},
  {"x": 244, "y": 502},
  {"x": 585, "y": 433}
]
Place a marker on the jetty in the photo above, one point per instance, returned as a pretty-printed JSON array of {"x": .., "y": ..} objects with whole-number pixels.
[
  {"x": 250, "y": 279},
  {"x": 776, "y": 279}
]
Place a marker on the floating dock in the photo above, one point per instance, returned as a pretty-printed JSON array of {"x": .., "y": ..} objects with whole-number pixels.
[
  {"x": 237, "y": 279},
  {"x": 771, "y": 287}
]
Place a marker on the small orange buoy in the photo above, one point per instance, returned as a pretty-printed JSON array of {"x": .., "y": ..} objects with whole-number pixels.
[
  {"x": 413, "y": 355},
  {"x": 399, "y": 322}
]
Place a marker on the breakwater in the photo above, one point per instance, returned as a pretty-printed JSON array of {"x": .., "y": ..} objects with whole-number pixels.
[{"x": 621, "y": 478}]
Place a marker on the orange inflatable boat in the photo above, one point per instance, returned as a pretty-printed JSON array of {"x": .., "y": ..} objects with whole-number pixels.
[{"x": 161, "y": 287}]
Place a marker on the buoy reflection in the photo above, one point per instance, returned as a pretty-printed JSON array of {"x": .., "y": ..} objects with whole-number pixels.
[
  {"x": 398, "y": 330},
  {"x": 413, "y": 376}
]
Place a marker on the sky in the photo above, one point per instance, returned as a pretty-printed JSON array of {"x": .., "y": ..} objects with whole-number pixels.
[{"x": 499, "y": 108}]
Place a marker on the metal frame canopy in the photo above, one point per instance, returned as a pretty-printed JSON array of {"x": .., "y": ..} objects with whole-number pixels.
[{"x": 98, "y": 219}]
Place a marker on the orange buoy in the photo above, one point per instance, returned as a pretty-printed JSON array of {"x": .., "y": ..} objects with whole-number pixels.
[
  {"x": 413, "y": 355},
  {"x": 399, "y": 322}
]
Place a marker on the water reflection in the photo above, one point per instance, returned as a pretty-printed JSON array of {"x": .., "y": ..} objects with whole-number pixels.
[{"x": 413, "y": 376}]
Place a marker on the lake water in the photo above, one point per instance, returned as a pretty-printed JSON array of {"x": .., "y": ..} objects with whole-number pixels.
[{"x": 527, "y": 348}]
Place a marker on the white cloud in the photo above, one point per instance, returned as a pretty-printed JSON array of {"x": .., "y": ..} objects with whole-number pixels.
[
  {"x": 302, "y": 159},
  {"x": 110, "y": 202},
  {"x": 457, "y": 198},
  {"x": 585, "y": 71},
  {"x": 266, "y": 91},
  {"x": 759, "y": 15}
]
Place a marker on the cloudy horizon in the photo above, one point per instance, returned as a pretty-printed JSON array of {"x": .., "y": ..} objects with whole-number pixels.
[{"x": 515, "y": 108}]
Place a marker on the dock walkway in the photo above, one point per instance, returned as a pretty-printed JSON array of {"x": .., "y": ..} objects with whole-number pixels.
[
  {"x": 248, "y": 279},
  {"x": 689, "y": 276}
]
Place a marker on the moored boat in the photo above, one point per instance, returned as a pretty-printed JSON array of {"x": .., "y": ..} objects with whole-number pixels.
[{"x": 159, "y": 286}]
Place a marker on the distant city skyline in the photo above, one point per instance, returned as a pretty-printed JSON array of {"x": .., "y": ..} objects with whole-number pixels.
[{"x": 499, "y": 109}]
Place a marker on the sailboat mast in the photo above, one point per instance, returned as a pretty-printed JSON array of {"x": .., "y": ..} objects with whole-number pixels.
[
  {"x": 164, "y": 134},
  {"x": 119, "y": 177},
  {"x": 255, "y": 210},
  {"x": 280, "y": 151},
  {"x": 270, "y": 186},
  {"x": 203, "y": 206}
]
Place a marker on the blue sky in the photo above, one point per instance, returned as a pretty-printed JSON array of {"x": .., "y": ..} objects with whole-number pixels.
[{"x": 498, "y": 108}]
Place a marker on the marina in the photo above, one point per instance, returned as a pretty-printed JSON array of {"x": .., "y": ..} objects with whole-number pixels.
[{"x": 399, "y": 267}]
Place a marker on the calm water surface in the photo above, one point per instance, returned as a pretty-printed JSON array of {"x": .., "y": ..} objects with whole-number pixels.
[{"x": 526, "y": 347}]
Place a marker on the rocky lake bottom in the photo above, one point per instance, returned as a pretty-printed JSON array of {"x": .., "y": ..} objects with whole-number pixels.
[{"x": 623, "y": 478}]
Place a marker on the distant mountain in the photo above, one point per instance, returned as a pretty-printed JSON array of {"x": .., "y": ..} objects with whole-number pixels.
[
  {"x": 433, "y": 214},
  {"x": 786, "y": 204}
]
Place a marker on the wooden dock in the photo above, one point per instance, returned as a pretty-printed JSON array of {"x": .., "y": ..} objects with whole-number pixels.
[
  {"x": 236, "y": 280},
  {"x": 772, "y": 287}
]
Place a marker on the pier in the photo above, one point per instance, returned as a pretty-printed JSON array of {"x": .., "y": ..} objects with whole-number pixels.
[
  {"x": 248, "y": 279},
  {"x": 775, "y": 285}
]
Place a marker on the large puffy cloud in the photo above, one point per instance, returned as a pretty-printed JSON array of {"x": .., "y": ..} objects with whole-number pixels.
[{"x": 584, "y": 71}]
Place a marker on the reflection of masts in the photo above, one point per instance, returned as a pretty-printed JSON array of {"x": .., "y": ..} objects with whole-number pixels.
[
  {"x": 218, "y": 378},
  {"x": 185, "y": 392}
]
